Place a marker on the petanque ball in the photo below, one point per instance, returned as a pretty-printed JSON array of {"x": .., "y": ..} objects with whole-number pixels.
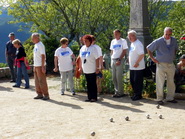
[
  {"x": 93, "y": 133},
  {"x": 127, "y": 118}
]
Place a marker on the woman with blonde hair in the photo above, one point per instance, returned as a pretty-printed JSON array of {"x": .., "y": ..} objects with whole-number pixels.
[{"x": 21, "y": 63}]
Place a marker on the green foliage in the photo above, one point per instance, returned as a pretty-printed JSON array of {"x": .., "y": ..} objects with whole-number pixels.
[
  {"x": 2, "y": 65},
  {"x": 174, "y": 18},
  {"x": 73, "y": 18},
  {"x": 51, "y": 44},
  {"x": 149, "y": 88},
  {"x": 107, "y": 84},
  {"x": 28, "y": 46},
  {"x": 80, "y": 84},
  {"x": 75, "y": 48}
]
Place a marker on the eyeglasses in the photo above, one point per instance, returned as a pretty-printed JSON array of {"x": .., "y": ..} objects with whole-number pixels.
[{"x": 85, "y": 61}]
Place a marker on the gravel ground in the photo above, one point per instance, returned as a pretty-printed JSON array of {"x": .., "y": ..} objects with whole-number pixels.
[{"x": 69, "y": 117}]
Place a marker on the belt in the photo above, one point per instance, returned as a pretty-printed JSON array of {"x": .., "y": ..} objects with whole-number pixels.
[{"x": 11, "y": 55}]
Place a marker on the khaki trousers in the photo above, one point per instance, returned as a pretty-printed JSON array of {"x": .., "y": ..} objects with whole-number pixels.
[
  {"x": 117, "y": 76},
  {"x": 40, "y": 82},
  {"x": 165, "y": 71}
]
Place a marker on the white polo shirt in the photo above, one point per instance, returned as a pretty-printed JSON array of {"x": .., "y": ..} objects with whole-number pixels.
[
  {"x": 89, "y": 54},
  {"x": 64, "y": 59},
  {"x": 38, "y": 50},
  {"x": 117, "y": 46},
  {"x": 136, "y": 49}
]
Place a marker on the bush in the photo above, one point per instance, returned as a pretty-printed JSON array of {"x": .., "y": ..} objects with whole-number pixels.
[
  {"x": 108, "y": 87},
  {"x": 2, "y": 65}
]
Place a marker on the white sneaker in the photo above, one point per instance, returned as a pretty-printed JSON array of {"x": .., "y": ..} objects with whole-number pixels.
[{"x": 62, "y": 93}]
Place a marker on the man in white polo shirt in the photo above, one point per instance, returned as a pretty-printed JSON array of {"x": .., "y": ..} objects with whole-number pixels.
[
  {"x": 118, "y": 49},
  {"x": 39, "y": 57}
]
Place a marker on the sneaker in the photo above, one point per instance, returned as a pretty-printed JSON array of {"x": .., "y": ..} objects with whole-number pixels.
[
  {"x": 73, "y": 93},
  {"x": 27, "y": 87},
  {"x": 62, "y": 93},
  {"x": 172, "y": 101},
  {"x": 38, "y": 97},
  {"x": 45, "y": 98},
  {"x": 160, "y": 102}
]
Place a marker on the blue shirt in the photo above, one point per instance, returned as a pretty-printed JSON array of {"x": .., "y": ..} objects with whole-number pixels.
[
  {"x": 10, "y": 49},
  {"x": 164, "y": 53}
]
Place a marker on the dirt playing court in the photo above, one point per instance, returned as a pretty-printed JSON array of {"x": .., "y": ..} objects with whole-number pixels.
[{"x": 69, "y": 117}]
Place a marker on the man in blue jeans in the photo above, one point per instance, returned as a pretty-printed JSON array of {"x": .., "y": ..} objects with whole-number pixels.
[{"x": 10, "y": 54}]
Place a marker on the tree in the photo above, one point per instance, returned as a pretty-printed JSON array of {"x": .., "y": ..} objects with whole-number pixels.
[
  {"x": 72, "y": 18},
  {"x": 158, "y": 11},
  {"x": 174, "y": 18}
]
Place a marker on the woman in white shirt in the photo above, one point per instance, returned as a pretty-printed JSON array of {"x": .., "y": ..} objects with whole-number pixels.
[
  {"x": 89, "y": 63},
  {"x": 65, "y": 59}
]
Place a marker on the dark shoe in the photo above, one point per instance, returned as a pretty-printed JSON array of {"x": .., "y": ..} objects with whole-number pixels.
[
  {"x": 93, "y": 100},
  {"x": 12, "y": 81},
  {"x": 62, "y": 93},
  {"x": 45, "y": 98},
  {"x": 160, "y": 102},
  {"x": 87, "y": 100},
  {"x": 26, "y": 87},
  {"x": 73, "y": 93},
  {"x": 134, "y": 98},
  {"x": 172, "y": 101},
  {"x": 16, "y": 86},
  {"x": 118, "y": 96},
  {"x": 38, "y": 97}
]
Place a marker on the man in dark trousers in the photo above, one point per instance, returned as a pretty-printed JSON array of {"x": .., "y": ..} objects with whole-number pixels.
[{"x": 10, "y": 54}]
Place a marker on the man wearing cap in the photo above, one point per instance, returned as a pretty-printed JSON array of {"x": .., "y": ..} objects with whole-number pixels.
[{"x": 10, "y": 52}]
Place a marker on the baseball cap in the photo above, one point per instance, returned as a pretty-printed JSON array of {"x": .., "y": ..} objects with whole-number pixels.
[{"x": 11, "y": 34}]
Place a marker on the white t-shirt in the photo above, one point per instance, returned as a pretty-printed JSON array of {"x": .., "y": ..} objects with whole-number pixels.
[
  {"x": 88, "y": 56},
  {"x": 136, "y": 49},
  {"x": 98, "y": 49},
  {"x": 38, "y": 50},
  {"x": 117, "y": 46},
  {"x": 64, "y": 59},
  {"x": 167, "y": 41}
]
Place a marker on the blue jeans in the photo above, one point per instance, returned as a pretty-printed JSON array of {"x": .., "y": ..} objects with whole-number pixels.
[
  {"x": 10, "y": 60},
  {"x": 22, "y": 71}
]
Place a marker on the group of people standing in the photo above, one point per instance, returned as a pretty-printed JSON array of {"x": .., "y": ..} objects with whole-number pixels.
[
  {"x": 165, "y": 48},
  {"x": 90, "y": 63}
]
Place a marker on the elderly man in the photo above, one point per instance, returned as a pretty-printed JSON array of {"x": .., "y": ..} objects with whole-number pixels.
[
  {"x": 136, "y": 65},
  {"x": 10, "y": 54},
  {"x": 165, "y": 47},
  {"x": 118, "y": 49},
  {"x": 40, "y": 68}
]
